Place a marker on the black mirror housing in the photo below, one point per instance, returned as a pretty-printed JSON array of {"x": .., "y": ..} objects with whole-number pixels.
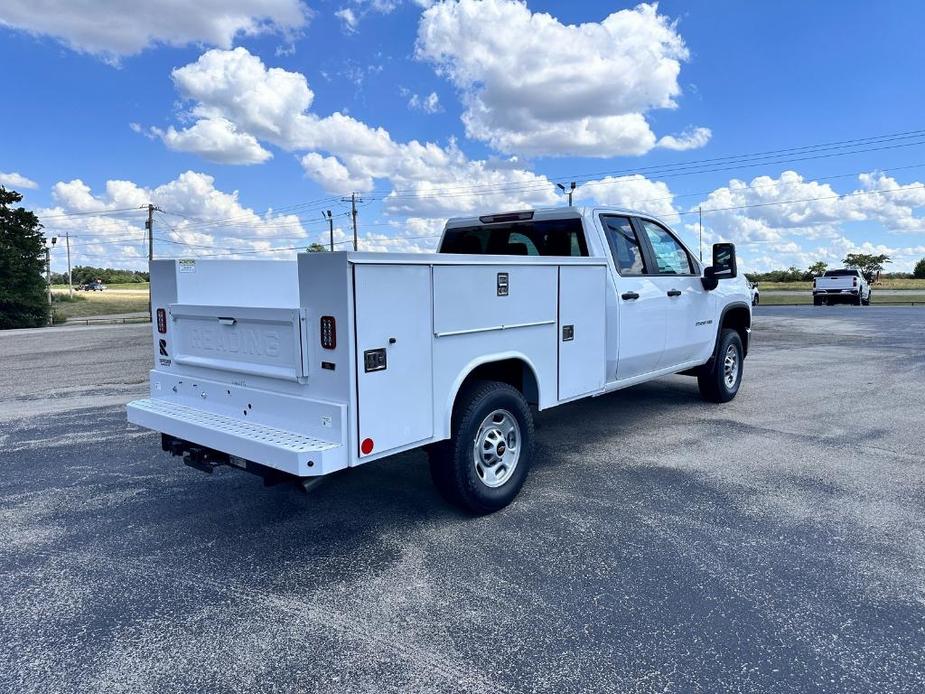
[
  {"x": 724, "y": 261},
  {"x": 723, "y": 267}
]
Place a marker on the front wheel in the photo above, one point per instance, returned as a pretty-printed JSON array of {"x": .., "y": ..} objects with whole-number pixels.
[
  {"x": 719, "y": 381},
  {"x": 483, "y": 466}
]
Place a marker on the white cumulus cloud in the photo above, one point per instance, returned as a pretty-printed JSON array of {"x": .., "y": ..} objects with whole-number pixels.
[
  {"x": 215, "y": 139},
  {"x": 198, "y": 219},
  {"x": 16, "y": 181},
  {"x": 340, "y": 152},
  {"x": 114, "y": 28},
  {"x": 533, "y": 85},
  {"x": 635, "y": 192},
  {"x": 693, "y": 138}
]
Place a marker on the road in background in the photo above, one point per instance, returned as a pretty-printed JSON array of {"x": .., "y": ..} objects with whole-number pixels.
[{"x": 773, "y": 544}]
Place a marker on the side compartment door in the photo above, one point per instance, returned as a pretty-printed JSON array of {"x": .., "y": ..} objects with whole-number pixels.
[
  {"x": 394, "y": 366},
  {"x": 582, "y": 330},
  {"x": 642, "y": 306}
]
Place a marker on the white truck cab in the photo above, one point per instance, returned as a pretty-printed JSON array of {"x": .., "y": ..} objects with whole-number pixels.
[{"x": 298, "y": 369}]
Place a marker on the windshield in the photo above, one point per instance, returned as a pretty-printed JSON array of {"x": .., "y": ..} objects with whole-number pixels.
[{"x": 556, "y": 237}]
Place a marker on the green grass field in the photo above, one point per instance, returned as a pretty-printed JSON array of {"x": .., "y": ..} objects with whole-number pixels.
[{"x": 103, "y": 303}]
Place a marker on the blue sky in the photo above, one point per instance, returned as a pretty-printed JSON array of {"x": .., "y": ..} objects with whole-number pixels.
[{"x": 244, "y": 119}]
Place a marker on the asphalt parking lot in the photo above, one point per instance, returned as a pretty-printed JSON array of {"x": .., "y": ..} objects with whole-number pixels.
[{"x": 662, "y": 544}]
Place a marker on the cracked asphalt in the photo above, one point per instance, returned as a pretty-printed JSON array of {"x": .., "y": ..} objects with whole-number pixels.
[{"x": 661, "y": 544}]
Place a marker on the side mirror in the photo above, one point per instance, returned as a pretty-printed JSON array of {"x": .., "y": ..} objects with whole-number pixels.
[{"x": 723, "y": 267}]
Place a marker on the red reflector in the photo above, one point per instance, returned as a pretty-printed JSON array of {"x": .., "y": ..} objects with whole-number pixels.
[
  {"x": 161, "y": 321},
  {"x": 328, "y": 332},
  {"x": 367, "y": 446}
]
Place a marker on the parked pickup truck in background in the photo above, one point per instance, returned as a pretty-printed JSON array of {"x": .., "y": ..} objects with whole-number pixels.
[
  {"x": 841, "y": 285},
  {"x": 295, "y": 370}
]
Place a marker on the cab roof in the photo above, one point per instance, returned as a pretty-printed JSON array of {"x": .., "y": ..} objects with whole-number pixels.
[{"x": 541, "y": 213}]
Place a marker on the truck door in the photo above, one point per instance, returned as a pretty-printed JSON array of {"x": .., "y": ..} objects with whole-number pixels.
[
  {"x": 642, "y": 311},
  {"x": 394, "y": 336},
  {"x": 689, "y": 308}
]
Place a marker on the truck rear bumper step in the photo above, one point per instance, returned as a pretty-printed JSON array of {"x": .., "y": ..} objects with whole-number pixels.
[{"x": 287, "y": 451}]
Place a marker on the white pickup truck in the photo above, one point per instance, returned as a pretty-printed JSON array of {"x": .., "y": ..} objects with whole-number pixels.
[
  {"x": 298, "y": 369},
  {"x": 841, "y": 285}
]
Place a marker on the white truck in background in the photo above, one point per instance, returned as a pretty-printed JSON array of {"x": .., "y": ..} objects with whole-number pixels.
[
  {"x": 841, "y": 285},
  {"x": 297, "y": 369}
]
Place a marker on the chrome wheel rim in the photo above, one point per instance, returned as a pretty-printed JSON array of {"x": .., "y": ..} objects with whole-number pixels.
[
  {"x": 731, "y": 367},
  {"x": 496, "y": 449}
]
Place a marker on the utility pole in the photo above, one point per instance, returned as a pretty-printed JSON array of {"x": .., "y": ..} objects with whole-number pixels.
[
  {"x": 328, "y": 216},
  {"x": 149, "y": 225},
  {"x": 48, "y": 281},
  {"x": 700, "y": 220},
  {"x": 70, "y": 284},
  {"x": 570, "y": 191},
  {"x": 54, "y": 240},
  {"x": 353, "y": 200}
]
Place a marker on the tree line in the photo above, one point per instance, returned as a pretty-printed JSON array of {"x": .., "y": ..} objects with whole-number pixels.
[
  {"x": 107, "y": 275},
  {"x": 868, "y": 263}
]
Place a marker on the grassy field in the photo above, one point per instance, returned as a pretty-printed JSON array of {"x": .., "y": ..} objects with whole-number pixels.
[
  {"x": 104, "y": 303},
  {"x": 884, "y": 284},
  {"x": 807, "y": 300},
  {"x": 133, "y": 286}
]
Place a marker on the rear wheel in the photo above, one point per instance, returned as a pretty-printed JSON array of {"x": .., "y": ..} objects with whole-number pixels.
[
  {"x": 817, "y": 301},
  {"x": 866, "y": 301},
  {"x": 483, "y": 466},
  {"x": 719, "y": 382}
]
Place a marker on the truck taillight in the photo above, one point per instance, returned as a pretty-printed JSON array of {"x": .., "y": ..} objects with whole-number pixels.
[
  {"x": 161, "y": 321},
  {"x": 328, "y": 332},
  {"x": 854, "y": 281},
  {"x": 814, "y": 283}
]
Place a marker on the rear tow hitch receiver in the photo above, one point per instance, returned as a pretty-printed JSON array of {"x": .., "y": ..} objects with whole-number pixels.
[{"x": 204, "y": 459}]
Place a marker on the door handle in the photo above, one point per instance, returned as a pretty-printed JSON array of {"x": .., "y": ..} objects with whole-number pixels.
[
  {"x": 674, "y": 292},
  {"x": 629, "y": 296}
]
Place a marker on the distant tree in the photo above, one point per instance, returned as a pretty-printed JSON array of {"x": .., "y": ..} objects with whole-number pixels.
[
  {"x": 919, "y": 271},
  {"x": 317, "y": 247},
  {"x": 86, "y": 273},
  {"x": 23, "y": 292},
  {"x": 866, "y": 263},
  {"x": 818, "y": 268}
]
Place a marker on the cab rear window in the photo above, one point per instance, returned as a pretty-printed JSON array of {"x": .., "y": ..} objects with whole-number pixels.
[{"x": 553, "y": 237}]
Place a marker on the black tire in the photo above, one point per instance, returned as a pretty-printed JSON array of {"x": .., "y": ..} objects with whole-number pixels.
[
  {"x": 453, "y": 464},
  {"x": 817, "y": 301},
  {"x": 859, "y": 300},
  {"x": 866, "y": 301},
  {"x": 712, "y": 377}
]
